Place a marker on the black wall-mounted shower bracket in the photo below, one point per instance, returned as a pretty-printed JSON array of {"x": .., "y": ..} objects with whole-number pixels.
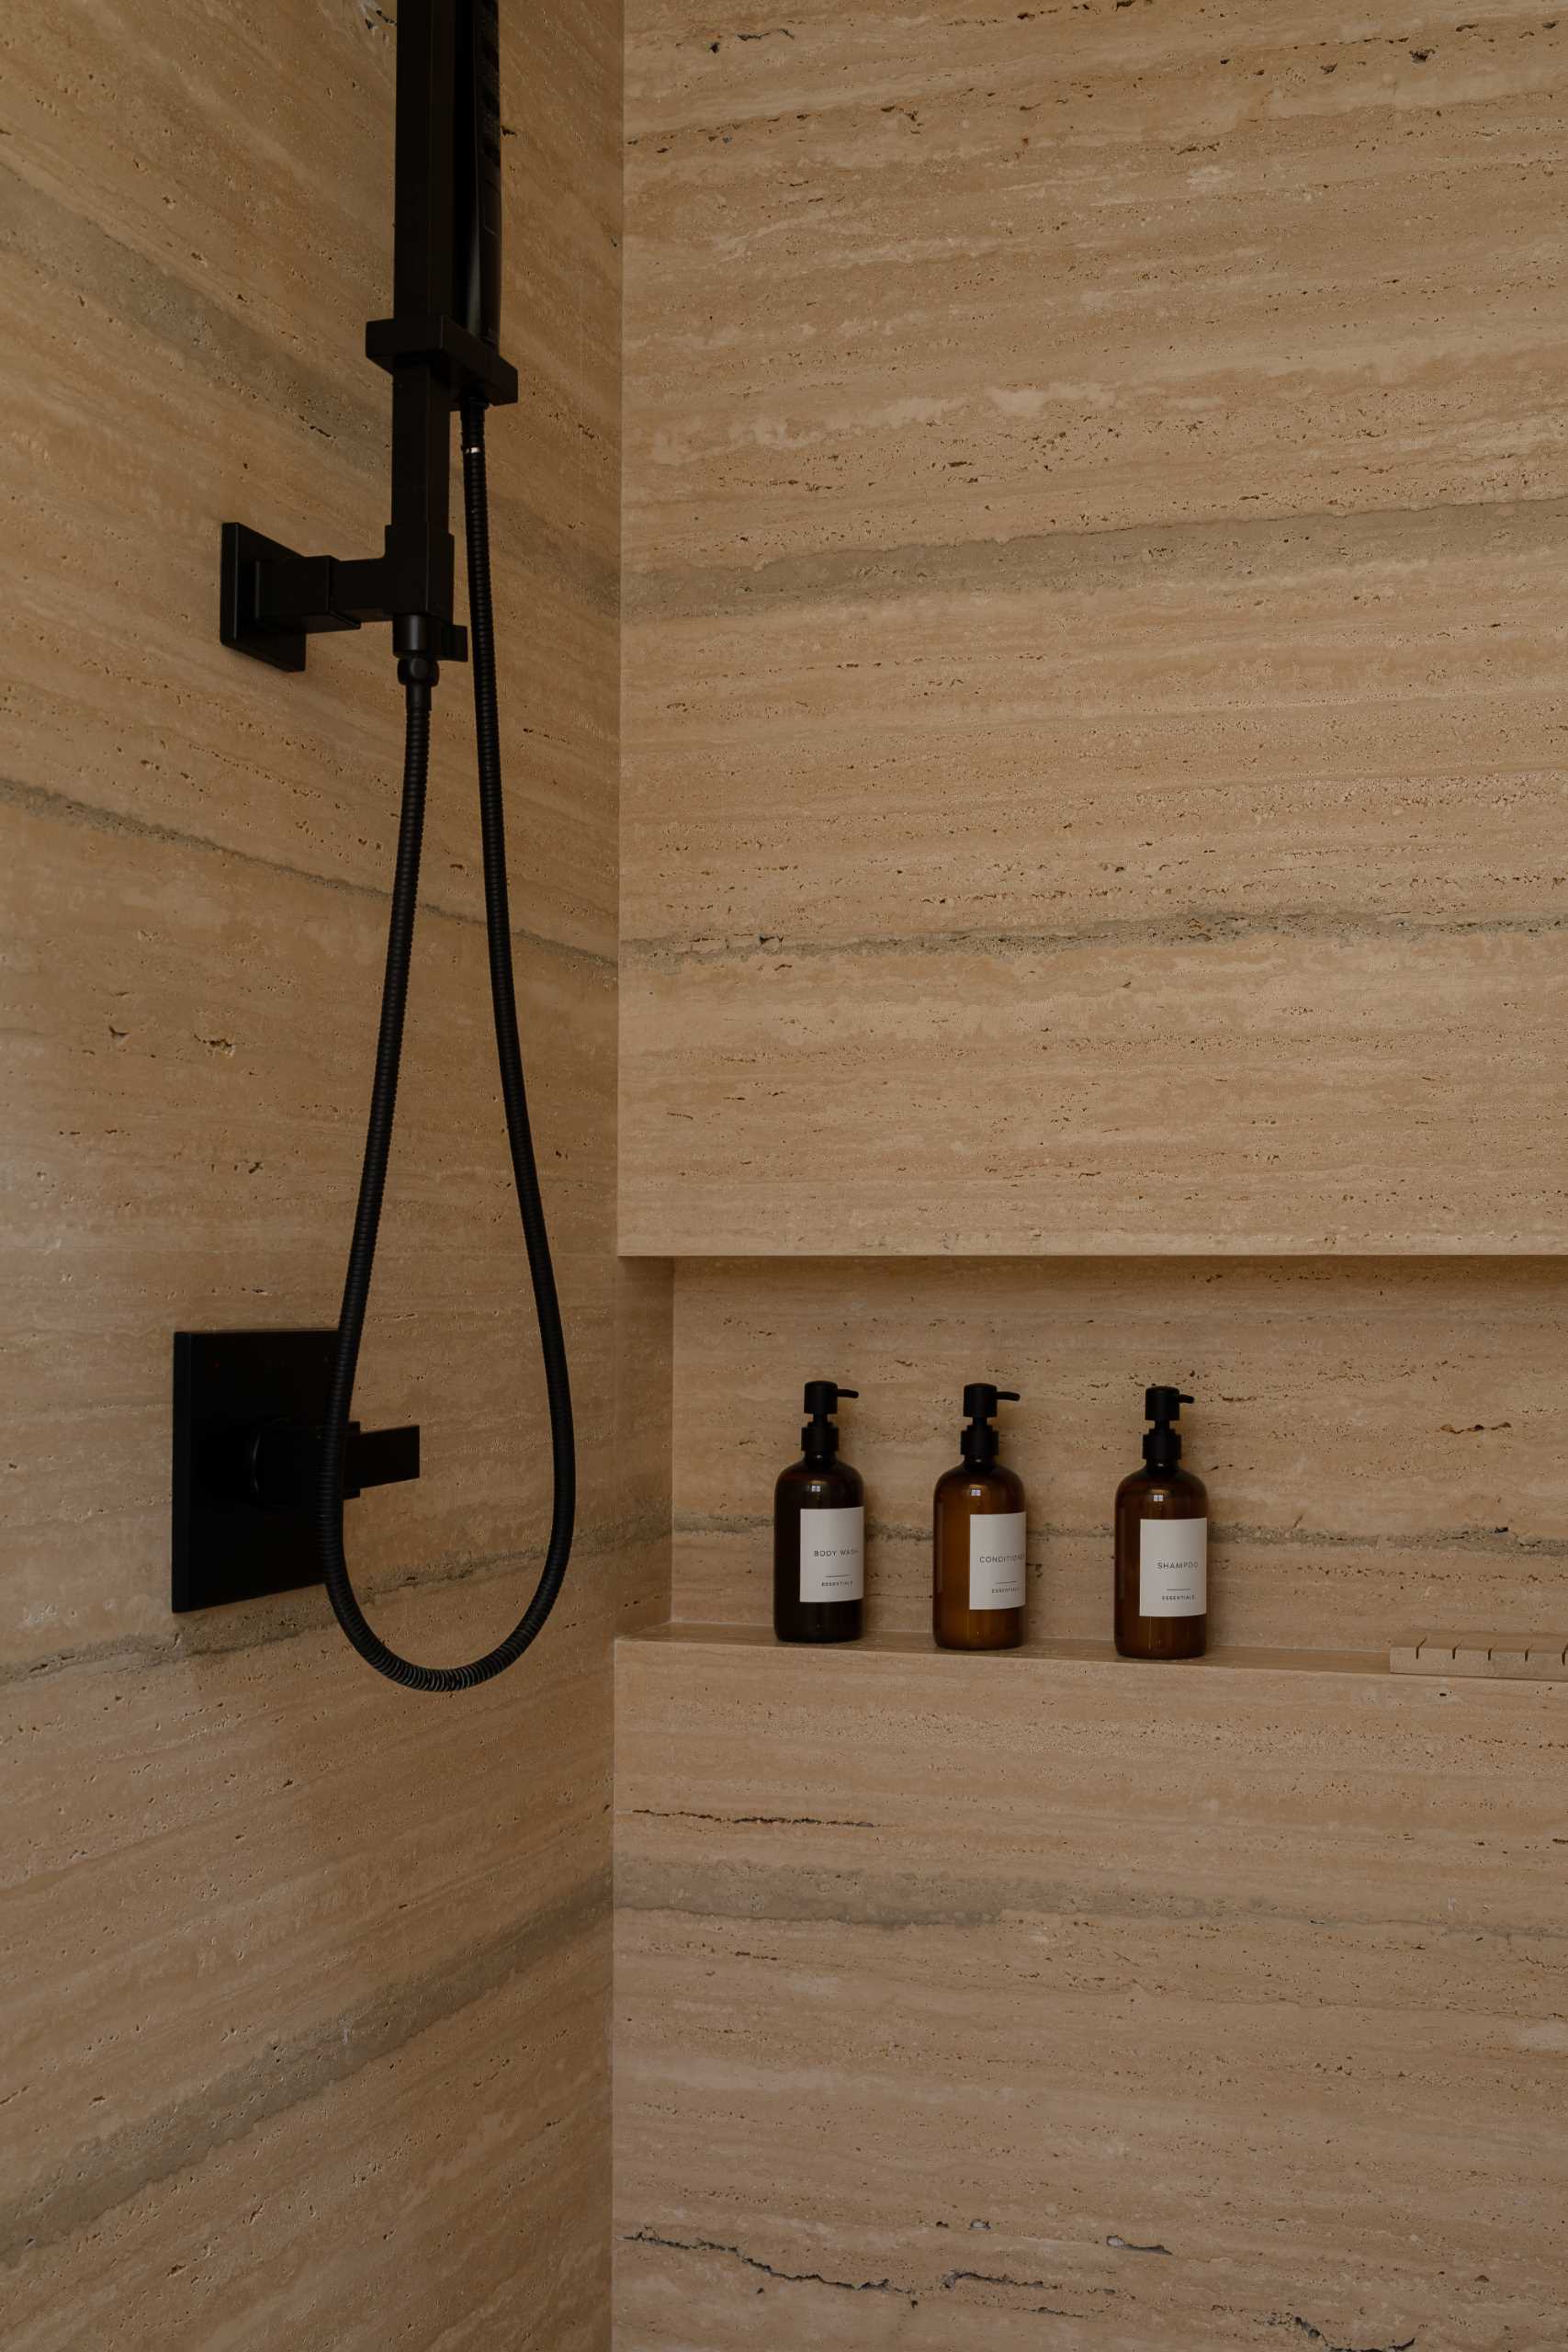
[
  {"x": 273, "y": 599},
  {"x": 248, "y": 1410}
]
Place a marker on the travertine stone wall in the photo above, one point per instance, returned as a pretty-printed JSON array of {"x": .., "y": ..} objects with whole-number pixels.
[
  {"x": 1095, "y": 494},
  {"x": 978, "y": 2002},
  {"x": 306, "y": 1979},
  {"x": 1377, "y": 1436},
  {"x": 1095, "y": 491}
]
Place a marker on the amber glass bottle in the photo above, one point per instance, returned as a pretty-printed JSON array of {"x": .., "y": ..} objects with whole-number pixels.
[
  {"x": 819, "y": 1533},
  {"x": 977, "y": 1530},
  {"x": 1162, "y": 1544}
]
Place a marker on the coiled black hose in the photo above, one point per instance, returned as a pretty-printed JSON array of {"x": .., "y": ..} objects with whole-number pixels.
[{"x": 417, "y": 676}]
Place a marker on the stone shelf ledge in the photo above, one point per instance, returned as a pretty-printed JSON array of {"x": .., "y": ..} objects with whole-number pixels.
[
  {"x": 1049, "y": 1654},
  {"x": 1059, "y": 1655}
]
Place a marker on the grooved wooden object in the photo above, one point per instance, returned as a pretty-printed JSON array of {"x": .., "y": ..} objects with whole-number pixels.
[{"x": 1498, "y": 1657}]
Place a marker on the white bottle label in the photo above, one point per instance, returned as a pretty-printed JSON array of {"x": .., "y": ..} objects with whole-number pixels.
[
  {"x": 1173, "y": 1568},
  {"x": 832, "y": 1554},
  {"x": 995, "y": 1559}
]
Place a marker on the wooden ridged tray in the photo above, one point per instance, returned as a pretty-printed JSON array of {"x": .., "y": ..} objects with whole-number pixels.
[{"x": 1501, "y": 1657}]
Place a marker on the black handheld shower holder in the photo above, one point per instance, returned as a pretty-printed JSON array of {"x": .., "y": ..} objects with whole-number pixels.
[{"x": 273, "y": 597}]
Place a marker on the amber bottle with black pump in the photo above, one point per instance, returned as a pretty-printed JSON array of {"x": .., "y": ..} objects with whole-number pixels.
[
  {"x": 978, "y": 1530},
  {"x": 819, "y": 1533},
  {"x": 1162, "y": 1544}
]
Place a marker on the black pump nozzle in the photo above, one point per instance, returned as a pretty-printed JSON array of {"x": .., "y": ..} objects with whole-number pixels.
[
  {"x": 980, "y": 1401},
  {"x": 823, "y": 1397},
  {"x": 820, "y": 1437},
  {"x": 1162, "y": 1447}
]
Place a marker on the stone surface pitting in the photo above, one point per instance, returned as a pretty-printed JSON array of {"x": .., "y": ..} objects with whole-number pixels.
[
  {"x": 1026, "y": 2002},
  {"x": 1093, "y": 779},
  {"x": 1071, "y": 267}
]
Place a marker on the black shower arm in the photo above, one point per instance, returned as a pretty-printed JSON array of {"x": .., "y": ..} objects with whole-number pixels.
[{"x": 273, "y": 598}]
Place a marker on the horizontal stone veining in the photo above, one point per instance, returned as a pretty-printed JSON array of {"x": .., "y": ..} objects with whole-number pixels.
[
  {"x": 1165, "y": 2009},
  {"x": 91, "y": 2179},
  {"x": 306, "y": 1980},
  {"x": 1194, "y": 554},
  {"x": 1093, "y": 776}
]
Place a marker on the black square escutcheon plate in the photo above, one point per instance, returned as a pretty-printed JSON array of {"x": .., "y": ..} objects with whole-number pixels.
[
  {"x": 249, "y": 1411},
  {"x": 230, "y": 1385}
]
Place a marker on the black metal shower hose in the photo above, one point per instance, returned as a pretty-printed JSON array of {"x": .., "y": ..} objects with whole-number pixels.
[{"x": 417, "y": 676}]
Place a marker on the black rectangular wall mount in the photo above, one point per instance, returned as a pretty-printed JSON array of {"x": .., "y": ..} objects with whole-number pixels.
[
  {"x": 248, "y": 1410},
  {"x": 238, "y": 622}
]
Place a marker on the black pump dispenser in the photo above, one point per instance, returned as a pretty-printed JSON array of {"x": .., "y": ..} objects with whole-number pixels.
[
  {"x": 820, "y": 1439},
  {"x": 980, "y": 1402},
  {"x": 1162, "y": 1447},
  {"x": 1161, "y": 1593},
  {"x": 820, "y": 1532},
  {"x": 979, "y": 1578}
]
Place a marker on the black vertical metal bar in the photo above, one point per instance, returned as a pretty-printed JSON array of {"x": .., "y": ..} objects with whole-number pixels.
[
  {"x": 421, "y": 228},
  {"x": 420, "y": 554},
  {"x": 420, "y": 550}
]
